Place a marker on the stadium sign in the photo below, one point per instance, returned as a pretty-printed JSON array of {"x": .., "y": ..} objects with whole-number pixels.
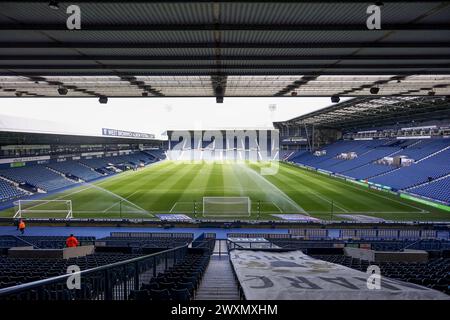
[
  {"x": 126, "y": 134},
  {"x": 24, "y": 159}
]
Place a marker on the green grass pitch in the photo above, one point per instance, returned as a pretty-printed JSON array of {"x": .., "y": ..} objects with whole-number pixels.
[{"x": 176, "y": 187}]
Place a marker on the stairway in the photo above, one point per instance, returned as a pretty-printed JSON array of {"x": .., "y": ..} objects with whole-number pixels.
[{"x": 218, "y": 281}]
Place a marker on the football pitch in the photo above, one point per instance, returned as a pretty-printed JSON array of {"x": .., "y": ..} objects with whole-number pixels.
[{"x": 171, "y": 187}]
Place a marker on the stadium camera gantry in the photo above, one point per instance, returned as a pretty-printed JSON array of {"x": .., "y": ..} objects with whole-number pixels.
[{"x": 224, "y": 48}]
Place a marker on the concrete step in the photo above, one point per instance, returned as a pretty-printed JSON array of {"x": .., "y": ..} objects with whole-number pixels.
[{"x": 218, "y": 282}]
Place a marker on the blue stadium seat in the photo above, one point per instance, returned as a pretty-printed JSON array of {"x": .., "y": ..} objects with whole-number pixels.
[
  {"x": 9, "y": 192},
  {"x": 38, "y": 176},
  {"x": 76, "y": 169}
]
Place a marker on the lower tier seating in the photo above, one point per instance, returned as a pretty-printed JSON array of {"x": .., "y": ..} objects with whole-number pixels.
[
  {"x": 9, "y": 192},
  {"x": 178, "y": 283},
  {"x": 15, "y": 271}
]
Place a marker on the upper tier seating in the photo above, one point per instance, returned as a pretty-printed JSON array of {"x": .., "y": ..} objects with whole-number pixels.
[
  {"x": 156, "y": 154},
  {"x": 433, "y": 167},
  {"x": 327, "y": 161},
  {"x": 38, "y": 176},
  {"x": 363, "y": 159},
  {"x": 133, "y": 159},
  {"x": 424, "y": 148},
  {"x": 76, "y": 169},
  {"x": 430, "y": 154}
]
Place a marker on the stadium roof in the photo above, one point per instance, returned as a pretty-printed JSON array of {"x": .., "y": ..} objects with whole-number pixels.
[
  {"x": 370, "y": 112},
  {"x": 30, "y": 138},
  {"x": 224, "y": 48}
]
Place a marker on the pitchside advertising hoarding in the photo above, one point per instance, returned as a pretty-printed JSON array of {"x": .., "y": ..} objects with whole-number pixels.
[{"x": 126, "y": 134}]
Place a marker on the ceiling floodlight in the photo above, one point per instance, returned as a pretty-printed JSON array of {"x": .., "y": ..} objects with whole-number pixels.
[
  {"x": 335, "y": 99},
  {"x": 103, "y": 99}
]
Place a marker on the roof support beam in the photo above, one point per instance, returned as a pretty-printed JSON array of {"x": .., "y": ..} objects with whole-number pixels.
[
  {"x": 295, "y": 85},
  {"x": 222, "y": 57},
  {"x": 232, "y": 1},
  {"x": 239, "y": 45},
  {"x": 225, "y": 67},
  {"x": 141, "y": 85},
  {"x": 222, "y": 27}
]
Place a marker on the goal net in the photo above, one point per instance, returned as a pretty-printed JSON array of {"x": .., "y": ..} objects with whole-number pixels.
[
  {"x": 43, "y": 209},
  {"x": 226, "y": 206}
]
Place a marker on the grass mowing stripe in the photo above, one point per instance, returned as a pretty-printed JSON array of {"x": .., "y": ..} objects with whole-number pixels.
[
  {"x": 363, "y": 196},
  {"x": 295, "y": 191},
  {"x": 374, "y": 193},
  {"x": 313, "y": 187},
  {"x": 170, "y": 190},
  {"x": 196, "y": 187},
  {"x": 158, "y": 186},
  {"x": 313, "y": 191},
  {"x": 276, "y": 195}
]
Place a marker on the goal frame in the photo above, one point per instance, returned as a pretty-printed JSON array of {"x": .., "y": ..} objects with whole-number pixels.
[
  {"x": 248, "y": 214},
  {"x": 21, "y": 210}
]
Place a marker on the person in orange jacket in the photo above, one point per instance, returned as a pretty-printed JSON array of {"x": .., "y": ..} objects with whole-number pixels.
[
  {"x": 71, "y": 241},
  {"x": 22, "y": 226}
]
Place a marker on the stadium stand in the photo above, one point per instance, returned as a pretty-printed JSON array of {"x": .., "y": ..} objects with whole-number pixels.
[
  {"x": 178, "y": 283},
  {"x": 438, "y": 189},
  {"x": 75, "y": 169},
  {"x": 38, "y": 176},
  {"x": 157, "y": 155},
  {"x": 432, "y": 168},
  {"x": 7, "y": 242},
  {"x": 145, "y": 242},
  {"x": 52, "y": 242},
  {"x": 166, "y": 278},
  {"x": 132, "y": 159},
  {"x": 9, "y": 192},
  {"x": 15, "y": 271},
  {"x": 57, "y": 175},
  {"x": 430, "y": 162}
]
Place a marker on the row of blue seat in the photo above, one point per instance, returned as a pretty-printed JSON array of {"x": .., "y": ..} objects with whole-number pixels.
[
  {"x": 430, "y": 155},
  {"x": 38, "y": 176},
  {"x": 439, "y": 190},
  {"x": 76, "y": 169},
  {"x": 8, "y": 191},
  {"x": 58, "y": 175}
]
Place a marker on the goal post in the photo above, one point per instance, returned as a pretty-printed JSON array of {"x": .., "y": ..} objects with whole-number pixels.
[
  {"x": 226, "y": 206},
  {"x": 43, "y": 209}
]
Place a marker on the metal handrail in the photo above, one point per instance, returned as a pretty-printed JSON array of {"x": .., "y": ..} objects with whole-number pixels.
[{"x": 31, "y": 285}]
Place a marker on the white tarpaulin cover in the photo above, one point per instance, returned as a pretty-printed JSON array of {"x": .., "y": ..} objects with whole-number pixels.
[{"x": 292, "y": 275}]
